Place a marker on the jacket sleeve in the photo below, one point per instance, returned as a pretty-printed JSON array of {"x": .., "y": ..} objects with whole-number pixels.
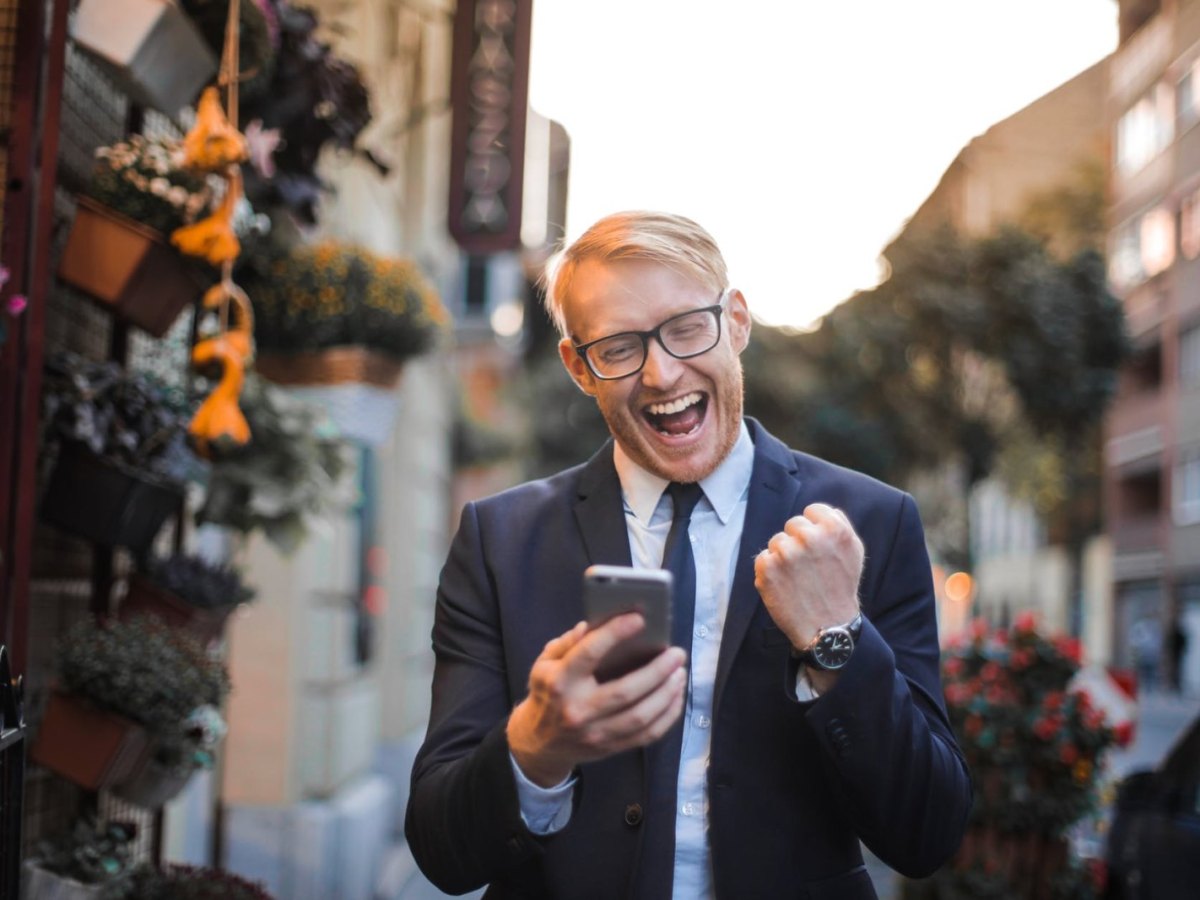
[
  {"x": 463, "y": 821},
  {"x": 889, "y": 747}
]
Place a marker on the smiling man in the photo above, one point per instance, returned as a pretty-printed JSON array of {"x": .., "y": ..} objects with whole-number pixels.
[{"x": 803, "y": 713}]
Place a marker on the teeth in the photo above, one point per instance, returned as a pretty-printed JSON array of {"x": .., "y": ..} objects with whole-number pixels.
[{"x": 675, "y": 406}]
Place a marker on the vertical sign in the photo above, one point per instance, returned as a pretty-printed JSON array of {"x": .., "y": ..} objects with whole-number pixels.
[{"x": 489, "y": 84}]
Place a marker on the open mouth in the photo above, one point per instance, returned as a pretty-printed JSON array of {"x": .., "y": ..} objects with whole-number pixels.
[{"x": 679, "y": 417}]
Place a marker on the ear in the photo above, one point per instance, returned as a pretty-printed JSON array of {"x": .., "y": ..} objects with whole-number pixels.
[
  {"x": 576, "y": 367},
  {"x": 738, "y": 314}
]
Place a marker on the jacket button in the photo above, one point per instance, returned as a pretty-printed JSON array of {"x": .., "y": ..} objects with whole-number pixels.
[{"x": 633, "y": 814}]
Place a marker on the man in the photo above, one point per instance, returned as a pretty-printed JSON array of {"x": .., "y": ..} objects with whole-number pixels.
[{"x": 813, "y": 712}]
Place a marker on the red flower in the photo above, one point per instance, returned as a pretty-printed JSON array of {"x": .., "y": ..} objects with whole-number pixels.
[
  {"x": 978, "y": 629},
  {"x": 990, "y": 673},
  {"x": 1070, "y": 648},
  {"x": 1068, "y": 753},
  {"x": 1025, "y": 623},
  {"x": 1053, "y": 701}
]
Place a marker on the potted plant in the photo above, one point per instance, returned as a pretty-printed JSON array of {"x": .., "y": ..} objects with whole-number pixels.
[
  {"x": 313, "y": 100},
  {"x": 159, "y": 685},
  {"x": 192, "y": 883},
  {"x": 1033, "y": 744},
  {"x": 82, "y": 864},
  {"x": 292, "y": 469},
  {"x": 188, "y": 592},
  {"x": 332, "y": 312},
  {"x": 121, "y": 455},
  {"x": 149, "y": 47},
  {"x": 117, "y": 252}
]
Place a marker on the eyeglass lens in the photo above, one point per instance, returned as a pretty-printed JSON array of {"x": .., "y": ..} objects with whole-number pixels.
[{"x": 688, "y": 335}]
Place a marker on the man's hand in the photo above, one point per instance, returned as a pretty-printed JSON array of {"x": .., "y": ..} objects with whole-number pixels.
[
  {"x": 808, "y": 575},
  {"x": 569, "y": 718}
]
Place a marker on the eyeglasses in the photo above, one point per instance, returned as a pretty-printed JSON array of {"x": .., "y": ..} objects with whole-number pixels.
[{"x": 683, "y": 336}]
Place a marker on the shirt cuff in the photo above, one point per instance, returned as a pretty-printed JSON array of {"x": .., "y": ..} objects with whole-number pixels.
[
  {"x": 544, "y": 810},
  {"x": 805, "y": 692}
]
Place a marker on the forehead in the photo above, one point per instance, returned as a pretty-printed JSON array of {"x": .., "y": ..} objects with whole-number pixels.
[{"x": 628, "y": 295}]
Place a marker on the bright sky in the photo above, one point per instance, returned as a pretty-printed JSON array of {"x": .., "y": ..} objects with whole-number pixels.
[{"x": 802, "y": 134}]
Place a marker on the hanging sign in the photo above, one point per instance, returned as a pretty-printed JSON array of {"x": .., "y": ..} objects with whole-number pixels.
[{"x": 489, "y": 93}]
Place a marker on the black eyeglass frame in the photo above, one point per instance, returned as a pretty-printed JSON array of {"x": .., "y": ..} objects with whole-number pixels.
[{"x": 716, "y": 309}]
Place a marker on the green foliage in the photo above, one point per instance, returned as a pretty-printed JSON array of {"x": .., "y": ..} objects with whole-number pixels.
[
  {"x": 191, "y": 883},
  {"x": 1071, "y": 217},
  {"x": 199, "y": 582},
  {"x": 1031, "y": 742},
  {"x": 147, "y": 672},
  {"x": 256, "y": 54},
  {"x": 127, "y": 418},
  {"x": 292, "y": 469},
  {"x": 141, "y": 178},
  {"x": 332, "y": 294},
  {"x": 89, "y": 853}
]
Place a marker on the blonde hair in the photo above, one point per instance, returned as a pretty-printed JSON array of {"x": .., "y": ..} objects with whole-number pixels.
[{"x": 665, "y": 238}]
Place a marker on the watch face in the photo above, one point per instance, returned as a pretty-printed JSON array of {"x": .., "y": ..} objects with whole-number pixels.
[{"x": 833, "y": 649}]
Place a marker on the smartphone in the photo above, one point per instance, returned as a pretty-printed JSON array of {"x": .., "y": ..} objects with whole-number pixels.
[{"x": 611, "y": 590}]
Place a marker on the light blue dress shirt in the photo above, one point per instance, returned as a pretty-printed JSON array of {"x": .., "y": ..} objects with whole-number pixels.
[{"x": 715, "y": 532}]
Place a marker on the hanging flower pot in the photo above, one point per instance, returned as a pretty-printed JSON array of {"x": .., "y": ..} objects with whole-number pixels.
[
  {"x": 89, "y": 746},
  {"x": 149, "y": 47},
  {"x": 144, "y": 596},
  {"x": 101, "y": 500},
  {"x": 153, "y": 784},
  {"x": 129, "y": 267}
]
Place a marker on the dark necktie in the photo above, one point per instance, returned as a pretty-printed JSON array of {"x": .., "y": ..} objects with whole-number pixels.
[
  {"x": 679, "y": 560},
  {"x": 656, "y": 861}
]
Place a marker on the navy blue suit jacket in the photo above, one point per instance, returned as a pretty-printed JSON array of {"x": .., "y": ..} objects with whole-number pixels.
[{"x": 793, "y": 786}]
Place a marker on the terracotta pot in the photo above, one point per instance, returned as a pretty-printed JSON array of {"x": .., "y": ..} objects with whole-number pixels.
[
  {"x": 89, "y": 746},
  {"x": 153, "y": 784},
  {"x": 128, "y": 267},
  {"x": 95, "y": 499},
  {"x": 336, "y": 365},
  {"x": 146, "y": 597}
]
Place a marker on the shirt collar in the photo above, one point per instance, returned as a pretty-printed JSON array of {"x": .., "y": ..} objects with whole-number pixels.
[{"x": 723, "y": 488}]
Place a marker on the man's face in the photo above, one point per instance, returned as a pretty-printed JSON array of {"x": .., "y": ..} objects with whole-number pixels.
[{"x": 677, "y": 418}]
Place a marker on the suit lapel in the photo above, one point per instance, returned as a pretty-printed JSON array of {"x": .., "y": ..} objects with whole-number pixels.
[
  {"x": 774, "y": 489},
  {"x": 600, "y": 511}
]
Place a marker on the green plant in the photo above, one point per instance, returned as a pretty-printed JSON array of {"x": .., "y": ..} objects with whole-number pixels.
[
  {"x": 89, "y": 853},
  {"x": 192, "y": 883},
  {"x": 199, "y": 582},
  {"x": 291, "y": 471},
  {"x": 332, "y": 294},
  {"x": 1033, "y": 745},
  {"x": 160, "y": 678},
  {"x": 141, "y": 178},
  {"x": 127, "y": 418}
]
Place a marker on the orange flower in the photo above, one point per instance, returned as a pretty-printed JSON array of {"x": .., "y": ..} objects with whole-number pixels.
[
  {"x": 212, "y": 239},
  {"x": 213, "y": 144}
]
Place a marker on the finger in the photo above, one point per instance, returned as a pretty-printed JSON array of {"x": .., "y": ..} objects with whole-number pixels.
[
  {"x": 583, "y": 658},
  {"x": 800, "y": 527},
  {"x": 829, "y": 516},
  {"x": 557, "y": 647},
  {"x": 630, "y": 689},
  {"x": 782, "y": 545},
  {"x": 640, "y": 723}
]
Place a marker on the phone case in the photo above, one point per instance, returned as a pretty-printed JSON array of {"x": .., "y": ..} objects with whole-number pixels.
[{"x": 611, "y": 590}]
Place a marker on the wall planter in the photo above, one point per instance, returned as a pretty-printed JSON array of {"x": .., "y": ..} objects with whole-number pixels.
[
  {"x": 149, "y": 47},
  {"x": 153, "y": 784},
  {"x": 337, "y": 365},
  {"x": 128, "y": 267},
  {"x": 41, "y": 884},
  {"x": 146, "y": 597},
  {"x": 86, "y": 745},
  {"x": 354, "y": 385},
  {"x": 99, "y": 500}
]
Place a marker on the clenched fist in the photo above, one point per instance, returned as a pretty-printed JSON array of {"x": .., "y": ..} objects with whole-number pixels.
[{"x": 808, "y": 575}]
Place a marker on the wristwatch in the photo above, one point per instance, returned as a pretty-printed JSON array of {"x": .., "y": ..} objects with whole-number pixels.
[{"x": 832, "y": 647}]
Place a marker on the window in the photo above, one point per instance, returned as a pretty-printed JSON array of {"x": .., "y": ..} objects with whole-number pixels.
[
  {"x": 1142, "y": 247},
  {"x": 1187, "y": 489},
  {"x": 1189, "y": 357},
  {"x": 1146, "y": 129},
  {"x": 1187, "y": 100},
  {"x": 1189, "y": 225}
]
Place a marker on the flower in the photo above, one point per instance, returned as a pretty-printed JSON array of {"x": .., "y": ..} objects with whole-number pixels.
[
  {"x": 333, "y": 294},
  {"x": 141, "y": 178}
]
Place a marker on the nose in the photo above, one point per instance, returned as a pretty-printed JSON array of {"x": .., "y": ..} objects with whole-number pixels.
[{"x": 661, "y": 369}]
